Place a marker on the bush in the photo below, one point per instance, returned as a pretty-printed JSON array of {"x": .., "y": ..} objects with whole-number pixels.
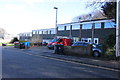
[
  {"x": 111, "y": 54},
  {"x": 14, "y": 40},
  {"x": 111, "y": 51},
  {"x": 110, "y": 41},
  {"x": 31, "y": 44},
  {"x": 22, "y": 41},
  {"x": 109, "y": 47}
]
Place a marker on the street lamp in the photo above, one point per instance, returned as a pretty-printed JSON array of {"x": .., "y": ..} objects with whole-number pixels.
[{"x": 56, "y": 32}]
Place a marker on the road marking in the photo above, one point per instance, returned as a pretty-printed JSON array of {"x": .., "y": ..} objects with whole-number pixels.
[{"x": 68, "y": 61}]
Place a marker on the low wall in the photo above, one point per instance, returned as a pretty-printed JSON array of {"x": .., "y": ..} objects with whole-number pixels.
[{"x": 78, "y": 50}]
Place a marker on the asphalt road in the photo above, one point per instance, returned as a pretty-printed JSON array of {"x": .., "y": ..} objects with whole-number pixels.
[{"x": 18, "y": 63}]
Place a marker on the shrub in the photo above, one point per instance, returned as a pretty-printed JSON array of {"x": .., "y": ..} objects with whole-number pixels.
[
  {"x": 14, "y": 40},
  {"x": 110, "y": 53},
  {"x": 110, "y": 41},
  {"x": 22, "y": 41}
]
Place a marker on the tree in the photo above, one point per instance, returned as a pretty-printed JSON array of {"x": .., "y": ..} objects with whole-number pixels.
[
  {"x": 2, "y": 31},
  {"x": 97, "y": 14},
  {"x": 106, "y": 9},
  {"x": 109, "y": 8},
  {"x": 111, "y": 40},
  {"x": 14, "y": 40}
]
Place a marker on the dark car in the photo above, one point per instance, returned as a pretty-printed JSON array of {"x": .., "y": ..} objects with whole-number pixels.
[
  {"x": 96, "y": 51},
  {"x": 3, "y": 44}
]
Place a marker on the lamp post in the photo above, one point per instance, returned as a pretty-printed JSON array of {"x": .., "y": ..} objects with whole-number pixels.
[{"x": 56, "y": 31}]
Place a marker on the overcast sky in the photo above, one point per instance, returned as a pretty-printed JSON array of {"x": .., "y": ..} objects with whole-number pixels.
[{"x": 17, "y": 16}]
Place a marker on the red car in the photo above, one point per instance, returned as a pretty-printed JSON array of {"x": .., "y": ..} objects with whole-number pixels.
[{"x": 64, "y": 41}]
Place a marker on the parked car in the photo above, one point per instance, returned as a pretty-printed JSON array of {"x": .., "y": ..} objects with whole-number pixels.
[
  {"x": 51, "y": 44},
  {"x": 17, "y": 44},
  {"x": 96, "y": 51},
  {"x": 63, "y": 41},
  {"x": 3, "y": 44}
]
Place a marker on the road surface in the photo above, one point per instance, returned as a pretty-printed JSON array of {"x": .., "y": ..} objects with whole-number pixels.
[{"x": 19, "y": 63}]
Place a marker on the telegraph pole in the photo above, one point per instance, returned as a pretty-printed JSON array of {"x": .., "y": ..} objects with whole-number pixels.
[{"x": 118, "y": 30}]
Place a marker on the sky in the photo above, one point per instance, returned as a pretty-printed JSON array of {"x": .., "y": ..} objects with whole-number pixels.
[{"x": 18, "y": 16}]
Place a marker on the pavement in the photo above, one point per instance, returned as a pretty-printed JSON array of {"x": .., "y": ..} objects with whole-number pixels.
[{"x": 91, "y": 61}]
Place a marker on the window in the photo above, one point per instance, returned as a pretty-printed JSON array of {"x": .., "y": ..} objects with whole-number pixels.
[
  {"x": 85, "y": 44},
  {"x": 33, "y": 32},
  {"x": 40, "y": 32},
  {"x": 37, "y": 32},
  {"x": 54, "y": 40},
  {"x": 49, "y": 32},
  {"x": 74, "y": 27},
  {"x": 87, "y": 26},
  {"x": 89, "y": 40},
  {"x": 30, "y": 34},
  {"x": 109, "y": 25},
  {"x": 27, "y": 34},
  {"x": 97, "y": 25},
  {"x": 52, "y": 32},
  {"x": 80, "y": 44},
  {"x": 96, "y": 41},
  {"x": 85, "y": 39},
  {"x": 68, "y": 27},
  {"x": 44, "y": 32},
  {"x": 61, "y": 27}
]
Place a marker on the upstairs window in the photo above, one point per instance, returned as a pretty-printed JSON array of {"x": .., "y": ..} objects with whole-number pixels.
[
  {"x": 37, "y": 32},
  {"x": 40, "y": 32},
  {"x": 45, "y": 32},
  {"x": 97, "y": 25},
  {"x": 30, "y": 34},
  {"x": 49, "y": 32},
  {"x": 68, "y": 27},
  {"x": 61, "y": 27},
  {"x": 109, "y": 25},
  {"x": 34, "y": 32},
  {"x": 52, "y": 31},
  {"x": 75, "y": 27},
  {"x": 87, "y": 26}
]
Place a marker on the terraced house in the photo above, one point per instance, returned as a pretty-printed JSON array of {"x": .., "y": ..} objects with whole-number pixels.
[
  {"x": 25, "y": 36},
  {"x": 96, "y": 31}
]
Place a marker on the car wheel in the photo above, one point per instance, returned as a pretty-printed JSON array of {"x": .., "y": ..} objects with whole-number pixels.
[
  {"x": 49, "y": 48},
  {"x": 96, "y": 54},
  {"x": 52, "y": 48}
]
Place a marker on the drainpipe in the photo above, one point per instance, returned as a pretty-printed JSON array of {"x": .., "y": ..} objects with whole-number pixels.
[{"x": 93, "y": 27}]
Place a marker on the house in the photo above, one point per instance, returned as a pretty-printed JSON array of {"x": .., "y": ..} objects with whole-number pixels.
[
  {"x": 46, "y": 34},
  {"x": 96, "y": 31},
  {"x": 25, "y": 36},
  {"x": 39, "y": 35}
]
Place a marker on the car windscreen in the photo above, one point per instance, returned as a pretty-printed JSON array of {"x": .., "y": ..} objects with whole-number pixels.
[{"x": 54, "y": 40}]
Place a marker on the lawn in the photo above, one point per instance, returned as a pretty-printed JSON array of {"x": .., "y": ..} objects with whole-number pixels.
[{"x": 7, "y": 44}]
